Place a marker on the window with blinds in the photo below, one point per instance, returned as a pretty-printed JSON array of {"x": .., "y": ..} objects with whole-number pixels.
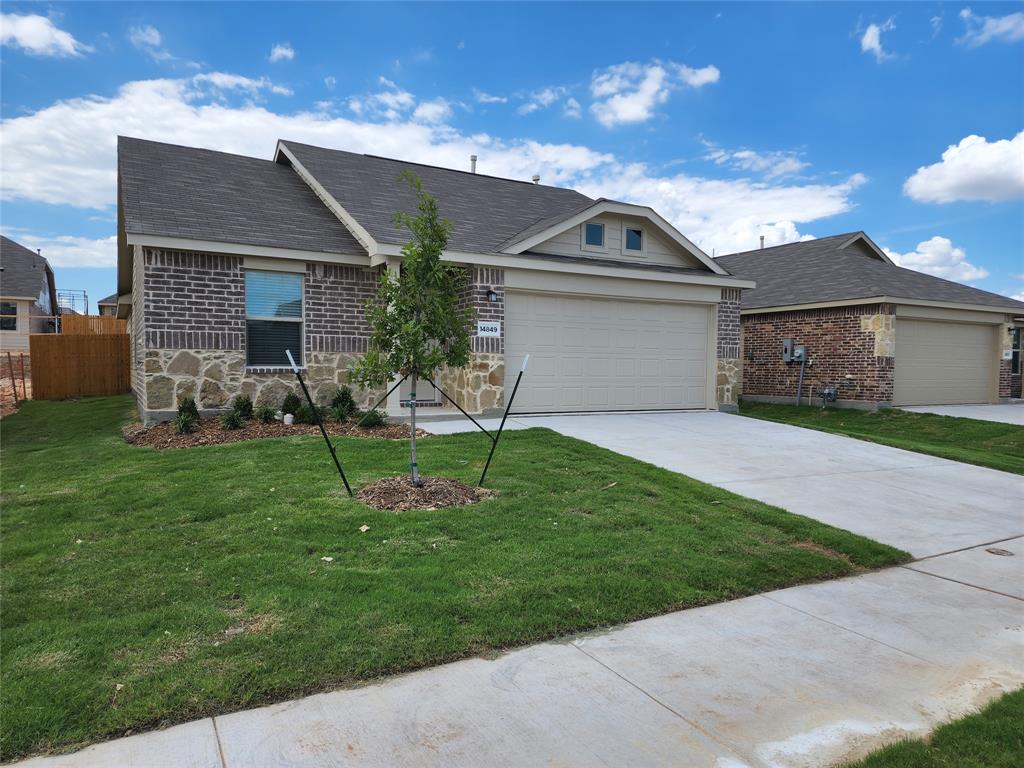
[{"x": 273, "y": 317}]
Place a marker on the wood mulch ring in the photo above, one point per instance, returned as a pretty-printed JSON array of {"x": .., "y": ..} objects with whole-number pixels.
[
  {"x": 400, "y": 495},
  {"x": 210, "y": 432}
]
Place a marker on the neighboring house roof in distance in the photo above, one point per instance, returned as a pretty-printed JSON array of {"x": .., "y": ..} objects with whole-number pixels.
[
  {"x": 485, "y": 211},
  {"x": 108, "y": 301},
  {"x": 198, "y": 194},
  {"x": 24, "y": 271},
  {"x": 843, "y": 268}
]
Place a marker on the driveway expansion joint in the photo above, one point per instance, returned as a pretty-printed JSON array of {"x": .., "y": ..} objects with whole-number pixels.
[{"x": 962, "y": 583}]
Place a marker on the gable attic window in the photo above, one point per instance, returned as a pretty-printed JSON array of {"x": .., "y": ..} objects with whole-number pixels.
[
  {"x": 634, "y": 239},
  {"x": 594, "y": 235},
  {"x": 273, "y": 317}
]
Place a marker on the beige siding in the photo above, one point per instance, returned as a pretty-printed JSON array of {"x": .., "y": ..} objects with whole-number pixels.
[
  {"x": 17, "y": 341},
  {"x": 658, "y": 248}
]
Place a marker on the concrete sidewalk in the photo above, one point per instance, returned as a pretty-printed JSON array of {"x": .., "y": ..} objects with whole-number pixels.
[
  {"x": 1005, "y": 413},
  {"x": 805, "y": 676}
]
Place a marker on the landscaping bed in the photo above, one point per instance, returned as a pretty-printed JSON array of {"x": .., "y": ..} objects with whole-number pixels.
[
  {"x": 209, "y": 431},
  {"x": 985, "y": 443},
  {"x": 399, "y": 494},
  {"x": 144, "y": 588}
]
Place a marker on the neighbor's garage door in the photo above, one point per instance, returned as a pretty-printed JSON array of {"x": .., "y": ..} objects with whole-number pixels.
[
  {"x": 943, "y": 363},
  {"x": 590, "y": 354}
]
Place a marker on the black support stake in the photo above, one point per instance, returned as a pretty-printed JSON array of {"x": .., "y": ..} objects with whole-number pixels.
[
  {"x": 319, "y": 421},
  {"x": 397, "y": 385},
  {"x": 508, "y": 407},
  {"x": 445, "y": 395}
]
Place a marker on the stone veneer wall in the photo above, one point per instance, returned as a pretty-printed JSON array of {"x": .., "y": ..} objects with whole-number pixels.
[
  {"x": 858, "y": 341},
  {"x": 193, "y": 345},
  {"x": 1009, "y": 383},
  {"x": 480, "y": 386},
  {"x": 729, "y": 368}
]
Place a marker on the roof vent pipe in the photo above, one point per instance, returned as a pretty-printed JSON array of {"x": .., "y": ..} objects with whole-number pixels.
[
  {"x": 472, "y": 163},
  {"x": 762, "y": 241},
  {"x": 536, "y": 178}
]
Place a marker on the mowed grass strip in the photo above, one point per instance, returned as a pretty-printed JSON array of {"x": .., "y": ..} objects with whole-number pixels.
[
  {"x": 972, "y": 441},
  {"x": 992, "y": 738},
  {"x": 143, "y": 587}
]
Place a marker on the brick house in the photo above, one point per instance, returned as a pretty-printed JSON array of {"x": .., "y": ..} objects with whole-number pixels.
[
  {"x": 882, "y": 334},
  {"x": 225, "y": 261}
]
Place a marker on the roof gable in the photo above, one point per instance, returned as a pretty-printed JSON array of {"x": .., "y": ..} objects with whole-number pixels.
[
  {"x": 24, "y": 272},
  {"x": 549, "y": 228}
]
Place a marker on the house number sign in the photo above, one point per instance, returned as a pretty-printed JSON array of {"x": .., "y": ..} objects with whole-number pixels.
[{"x": 488, "y": 328}]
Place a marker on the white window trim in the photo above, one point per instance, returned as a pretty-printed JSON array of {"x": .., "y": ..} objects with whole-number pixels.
[
  {"x": 643, "y": 239},
  {"x": 585, "y": 246},
  {"x": 265, "y": 368}
]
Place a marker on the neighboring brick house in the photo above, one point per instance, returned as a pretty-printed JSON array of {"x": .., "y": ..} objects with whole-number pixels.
[
  {"x": 224, "y": 262},
  {"x": 882, "y": 334}
]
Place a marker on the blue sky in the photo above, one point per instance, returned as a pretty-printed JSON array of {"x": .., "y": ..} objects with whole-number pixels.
[{"x": 732, "y": 120}]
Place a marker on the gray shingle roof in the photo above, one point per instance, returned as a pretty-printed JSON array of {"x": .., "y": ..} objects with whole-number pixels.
[
  {"x": 199, "y": 194},
  {"x": 820, "y": 270},
  {"x": 111, "y": 299},
  {"x": 24, "y": 271},
  {"x": 485, "y": 211}
]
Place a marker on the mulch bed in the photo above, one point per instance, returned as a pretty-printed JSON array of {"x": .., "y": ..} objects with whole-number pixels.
[
  {"x": 210, "y": 432},
  {"x": 400, "y": 495}
]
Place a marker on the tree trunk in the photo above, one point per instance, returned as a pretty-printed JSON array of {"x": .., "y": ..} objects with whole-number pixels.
[{"x": 412, "y": 430}]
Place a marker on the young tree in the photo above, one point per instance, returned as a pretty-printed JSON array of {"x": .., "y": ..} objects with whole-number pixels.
[{"x": 416, "y": 323}]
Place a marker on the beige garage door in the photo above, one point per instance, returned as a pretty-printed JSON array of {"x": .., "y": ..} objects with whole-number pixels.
[
  {"x": 589, "y": 354},
  {"x": 943, "y": 363}
]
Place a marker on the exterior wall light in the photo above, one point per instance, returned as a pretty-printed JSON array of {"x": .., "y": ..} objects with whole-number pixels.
[{"x": 492, "y": 295}]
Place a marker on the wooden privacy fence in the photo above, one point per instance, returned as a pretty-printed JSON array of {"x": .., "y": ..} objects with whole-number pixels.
[
  {"x": 69, "y": 365},
  {"x": 78, "y": 325}
]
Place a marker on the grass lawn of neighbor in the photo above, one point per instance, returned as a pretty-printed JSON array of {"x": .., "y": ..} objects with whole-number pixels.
[
  {"x": 142, "y": 587},
  {"x": 992, "y": 738},
  {"x": 985, "y": 443}
]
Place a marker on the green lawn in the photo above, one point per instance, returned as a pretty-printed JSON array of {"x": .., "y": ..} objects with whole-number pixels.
[
  {"x": 993, "y": 738},
  {"x": 142, "y": 587},
  {"x": 985, "y": 443}
]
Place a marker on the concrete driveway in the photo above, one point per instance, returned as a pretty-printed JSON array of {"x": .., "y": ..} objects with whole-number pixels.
[
  {"x": 1006, "y": 413},
  {"x": 922, "y": 504}
]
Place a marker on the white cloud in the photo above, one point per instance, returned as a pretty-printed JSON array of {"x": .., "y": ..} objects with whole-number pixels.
[
  {"x": 281, "y": 52},
  {"x": 770, "y": 164},
  {"x": 871, "y": 40},
  {"x": 629, "y": 92},
  {"x": 330, "y": 81},
  {"x": 225, "y": 81},
  {"x": 936, "y": 22},
  {"x": 572, "y": 108},
  {"x": 938, "y": 256},
  {"x": 70, "y": 251},
  {"x": 720, "y": 215},
  {"x": 39, "y": 36},
  {"x": 487, "y": 98},
  {"x": 143, "y": 37},
  {"x": 435, "y": 111},
  {"x": 541, "y": 99},
  {"x": 148, "y": 39},
  {"x": 986, "y": 29},
  {"x": 974, "y": 169}
]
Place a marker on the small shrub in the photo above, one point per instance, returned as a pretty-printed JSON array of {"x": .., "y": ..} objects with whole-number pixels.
[
  {"x": 185, "y": 423},
  {"x": 306, "y": 415},
  {"x": 187, "y": 405},
  {"x": 343, "y": 403},
  {"x": 291, "y": 403},
  {"x": 265, "y": 414},
  {"x": 231, "y": 420},
  {"x": 371, "y": 419},
  {"x": 243, "y": 406}
]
